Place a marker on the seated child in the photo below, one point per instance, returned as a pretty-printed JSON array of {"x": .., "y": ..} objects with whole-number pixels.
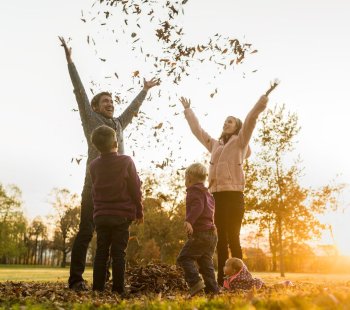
[
  {"x": 201, "y": 230},
  {"x": 116, "y": 192},
  {"x": 238, "y": 277}
]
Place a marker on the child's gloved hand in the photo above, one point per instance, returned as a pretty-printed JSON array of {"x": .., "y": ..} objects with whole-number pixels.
[{"x": 188, "y": 228}]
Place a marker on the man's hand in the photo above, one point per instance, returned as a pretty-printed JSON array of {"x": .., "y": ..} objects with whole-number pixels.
[
  {"x": 149, "y": 84},
  {"x": 139, "y": 221},
  {"x": 188, "y": 228},
  {"x": 185, "y": 102},
  {"x": 67, "y": 50}
]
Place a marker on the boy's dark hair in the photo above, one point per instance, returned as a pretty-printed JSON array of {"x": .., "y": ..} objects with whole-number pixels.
[
  {"x": 96, "y": 99},
  {"x": 104, "y": 138}
]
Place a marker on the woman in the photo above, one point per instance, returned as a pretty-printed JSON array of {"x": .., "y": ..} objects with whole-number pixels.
[{"x": 226, "y": 177}]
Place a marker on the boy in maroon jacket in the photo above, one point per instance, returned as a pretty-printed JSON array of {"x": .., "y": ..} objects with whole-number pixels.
[
  {"x": 116, "y": 192},
  {"x": 201, "y": 230}
]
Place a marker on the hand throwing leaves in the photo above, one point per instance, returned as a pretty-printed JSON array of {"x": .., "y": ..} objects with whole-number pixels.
[
  {"x": 272, "y": 87},
  {"x": 149, "y": 84},
  {"x": 67, "y": 50},
  {"x": 185, "y": 102}
]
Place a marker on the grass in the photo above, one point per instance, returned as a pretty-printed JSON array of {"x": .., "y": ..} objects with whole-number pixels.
[
  {"x": 34, "y": 273},
  {"x": 57, "y": 274},
  {"x": 311, "y": 291}
]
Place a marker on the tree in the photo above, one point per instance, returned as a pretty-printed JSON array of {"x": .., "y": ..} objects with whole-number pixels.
[
  {"x": 12, "y": 224},
  {"x": 38, "y": 231},
  {"x": 275, "y": 199},
  {"x": 67, "y": 208},
  {"x": 164, "y": 212}
]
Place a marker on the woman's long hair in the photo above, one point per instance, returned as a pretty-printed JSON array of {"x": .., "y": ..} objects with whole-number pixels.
[{"x": 226, "y": 136}]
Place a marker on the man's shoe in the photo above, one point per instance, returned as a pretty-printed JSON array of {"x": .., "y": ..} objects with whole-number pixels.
[
  {"x": 195, "y": 289},
  {"x": 79, "y": 286},
  {"x": 124, "y": 294}
]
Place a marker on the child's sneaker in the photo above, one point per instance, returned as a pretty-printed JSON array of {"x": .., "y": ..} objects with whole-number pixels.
[{"x": 196, "y": 288}]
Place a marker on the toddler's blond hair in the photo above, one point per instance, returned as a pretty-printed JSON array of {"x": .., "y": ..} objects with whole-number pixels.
[
  {"x": 235, "y": 263},
  {"x": 197, "y": 171}
]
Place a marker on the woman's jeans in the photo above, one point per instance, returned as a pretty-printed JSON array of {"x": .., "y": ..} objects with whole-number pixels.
[{"x": 229, "y": 211}]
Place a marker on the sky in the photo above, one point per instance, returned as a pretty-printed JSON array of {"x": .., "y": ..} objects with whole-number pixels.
[{"x": 305, "y": 44}]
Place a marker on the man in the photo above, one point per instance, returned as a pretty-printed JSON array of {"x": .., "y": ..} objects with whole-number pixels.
[{"x": 99, "y": 112}]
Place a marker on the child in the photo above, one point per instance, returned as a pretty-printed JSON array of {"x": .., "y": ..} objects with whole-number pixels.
[
  {"x": 116, "y": 191},
  {"x": 201, "y": 230},
  {"x": 238, "y": 277}
]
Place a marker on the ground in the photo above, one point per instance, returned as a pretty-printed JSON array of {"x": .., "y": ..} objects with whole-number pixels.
[{"x": 45, "y": 288}]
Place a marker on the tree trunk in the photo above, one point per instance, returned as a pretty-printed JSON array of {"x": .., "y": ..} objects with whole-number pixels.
[
  {"x": 280, "y": 245},
  {"x": 63, "y": 263},
  {"x": 35, "y": 251},
  {"x": 64, "y": 252},
  {"x": 272, "y": 249}
]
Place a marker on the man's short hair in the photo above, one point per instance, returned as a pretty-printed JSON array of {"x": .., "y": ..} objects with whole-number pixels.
[
  {"x": 96, "y": 99},
  {"x": 197, "y": 171},
  {"x": 103, "y": 138}
]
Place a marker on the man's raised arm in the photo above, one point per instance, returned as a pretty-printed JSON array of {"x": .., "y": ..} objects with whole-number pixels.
[
  {"x": 84, "y": 106},
  {"x": 126, "y": 117}
]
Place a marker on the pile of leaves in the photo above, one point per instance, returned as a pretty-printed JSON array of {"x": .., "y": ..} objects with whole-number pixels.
[{"x": 156, "y": 278}]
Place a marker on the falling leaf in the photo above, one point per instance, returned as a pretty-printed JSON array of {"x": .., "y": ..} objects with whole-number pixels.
[
  {"x": 159, "y": 126},
  {"x": 215, "y": 92}
]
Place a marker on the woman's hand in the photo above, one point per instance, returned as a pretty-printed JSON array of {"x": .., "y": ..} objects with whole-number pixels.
[
  {"x": 67, "y": 50},
  {"x": 185, "y": 102},
  {"x": 272, "y": 87}
]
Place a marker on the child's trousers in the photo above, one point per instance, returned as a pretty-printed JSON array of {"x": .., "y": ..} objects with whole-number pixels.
[
  {"x": 112, "y": 238},
  {"x": 200, "y": 248}
]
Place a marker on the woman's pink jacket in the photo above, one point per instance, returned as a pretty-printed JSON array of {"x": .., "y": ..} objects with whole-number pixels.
[{"x": 226, "y": 164}]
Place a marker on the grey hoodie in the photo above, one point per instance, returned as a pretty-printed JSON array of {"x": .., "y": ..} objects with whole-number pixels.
[{"x": 91, "y": 120}]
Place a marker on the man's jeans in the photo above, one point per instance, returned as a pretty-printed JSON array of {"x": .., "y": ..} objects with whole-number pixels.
[
  {"x": 112, "y": 238},
  {"x": 83, "y": 238},
  {"x": 200, "y": 248}
]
